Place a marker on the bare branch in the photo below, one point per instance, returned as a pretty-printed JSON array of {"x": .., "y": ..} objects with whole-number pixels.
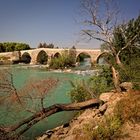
[{"x": 30, "y": 121}]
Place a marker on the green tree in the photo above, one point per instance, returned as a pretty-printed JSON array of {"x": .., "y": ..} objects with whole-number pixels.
[
  {"x": 126, "y": 41},
  {"x": 13, "y": 46},
  {"x": 40, "y": 45},
  {"x": 50, "y": 46},
  {"x": 2, "y": 48},
  {"x": 21, "y": 46},
  {"x": 102, "y": 29}
]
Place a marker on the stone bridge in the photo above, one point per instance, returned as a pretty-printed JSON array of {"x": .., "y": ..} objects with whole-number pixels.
[{"x": 33, "y": 54}]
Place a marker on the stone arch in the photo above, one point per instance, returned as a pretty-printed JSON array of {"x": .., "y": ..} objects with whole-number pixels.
[
  {"x": 42, "y": 57},
  {"x": 86, "y": 62},
  {"x": 83, "y": 53},
  {"x": 25, "y": 58},
  {"x": 99, "y": 59},
  {"x": 56, "y": 55}
]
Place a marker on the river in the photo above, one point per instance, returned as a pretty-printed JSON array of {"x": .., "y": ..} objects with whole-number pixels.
[{"x": 21, "y": 75}]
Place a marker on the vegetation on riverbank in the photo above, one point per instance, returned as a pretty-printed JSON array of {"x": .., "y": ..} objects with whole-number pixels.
[
  {"x": 109, "y": 121},
  {"x": 13, "y": 46},
  {"x": 66, "y": 60}
]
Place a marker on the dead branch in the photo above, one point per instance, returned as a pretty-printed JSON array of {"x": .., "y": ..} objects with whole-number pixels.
[{"x": 27, "y": 123}]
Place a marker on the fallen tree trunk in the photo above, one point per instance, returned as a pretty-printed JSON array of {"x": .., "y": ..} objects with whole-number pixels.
[{"x": 45, "y": 112}]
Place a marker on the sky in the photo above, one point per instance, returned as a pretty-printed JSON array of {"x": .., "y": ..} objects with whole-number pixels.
[{"x": 50, "y": 21}]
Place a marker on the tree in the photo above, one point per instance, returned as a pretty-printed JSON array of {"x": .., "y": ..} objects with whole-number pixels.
[
  {"x": 21, "y": 46},
  {"x": 13, "y": 46},
  {"x": 33, "y": 90},
  {"x": 128, "y": 53},
  {"x": 40, "y": 45},
  {"x": 50, "y": 46},
  {"x": 2, "y": 49},
  {"x": 102, "y": 25},
  {"x": 44, "y": 45}
]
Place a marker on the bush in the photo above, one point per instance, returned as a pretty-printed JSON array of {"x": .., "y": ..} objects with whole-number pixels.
[
  {"x": 79, "y": 92},
  {"x": 128, "y": 108},
  {"x": 105, "y": 130},
  {"x": 101, "y": 83},
  {"x": 64, "y": 61},
  {"x": 108, "y": 129},
  {"x": 98, "y": 85},
  {"x": 83, "y": 90}
]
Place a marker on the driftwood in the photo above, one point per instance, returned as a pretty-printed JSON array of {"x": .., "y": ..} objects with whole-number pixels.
[{"x": 45, "y": 112}]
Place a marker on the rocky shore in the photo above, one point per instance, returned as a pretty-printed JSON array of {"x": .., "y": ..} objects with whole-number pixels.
[{"x": 80, "y": 127}]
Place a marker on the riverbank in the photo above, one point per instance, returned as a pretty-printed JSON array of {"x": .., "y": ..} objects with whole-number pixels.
[{"x": 101, "y": 123}]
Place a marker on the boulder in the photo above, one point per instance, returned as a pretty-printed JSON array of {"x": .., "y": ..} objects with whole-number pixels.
[
  {"x": 126, "y": 86},
  {"x": 106, "y": 96}
]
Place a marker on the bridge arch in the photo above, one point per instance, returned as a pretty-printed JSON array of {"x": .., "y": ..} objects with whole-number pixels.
[
  {"x": 100, "y": 58},
  {"x": 42, "y": 57},
  {"x": 84, "y": 60},
  {"x": 83, "y": 55},
  {"x": 56, "y": 55},
  {"x": 25, "y": 58}
]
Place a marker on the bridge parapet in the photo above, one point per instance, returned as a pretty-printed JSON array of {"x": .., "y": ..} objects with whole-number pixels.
[{"x": 33, "y": 53}]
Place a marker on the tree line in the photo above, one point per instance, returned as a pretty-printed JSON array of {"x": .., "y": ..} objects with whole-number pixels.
[
  {"x": 44, "y": 45},
  {"x": 13, "y": 46}
]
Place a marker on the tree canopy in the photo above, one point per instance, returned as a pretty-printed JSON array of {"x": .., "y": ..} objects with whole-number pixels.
[
  {"x": 44, "y": 45},
  {"x": 13, "y": 46}
]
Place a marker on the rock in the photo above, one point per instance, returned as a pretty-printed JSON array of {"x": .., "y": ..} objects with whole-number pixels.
[
  {"x": 103, "y": 108},
  {"x": 126, "y": 86},
  {"x": 106, "y": 96},
  {"x": 71, "y": 137}
]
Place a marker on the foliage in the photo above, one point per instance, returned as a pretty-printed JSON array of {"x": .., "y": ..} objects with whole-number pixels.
[
  {"x": 128, "y": 108},
  {"x": 79, "y": 92},
  {"x": 101, "y": 83},
  {"x": 126, "y": 41},
  {"x": 67, "y": 59},
  {"x": 126, "y": 45},
  {"x": 12, "y": 46},
  {"x": 107, "y": 129},
  {"x": 131, "y": 60},
  {"x": 44, "y": 45},
  {"x": 83, "y": 90},
  {"x": 98, "y": 85}
]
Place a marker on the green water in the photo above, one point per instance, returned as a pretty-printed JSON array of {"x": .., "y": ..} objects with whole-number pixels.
[{"x": 58, "y": 95}]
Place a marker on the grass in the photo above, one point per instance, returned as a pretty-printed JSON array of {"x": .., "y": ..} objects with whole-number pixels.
[{"x": 126, "y": 110}]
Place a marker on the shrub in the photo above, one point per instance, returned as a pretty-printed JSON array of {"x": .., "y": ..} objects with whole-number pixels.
[
  {"x": 128, "y": 108},
  {"x": 101, "y": 83},
  {"x": 83, "y": 90},
  {"x": 79, "y": 92},
  {"x": 105, "y": 130},
  {"x": 65, "y": 60}
]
